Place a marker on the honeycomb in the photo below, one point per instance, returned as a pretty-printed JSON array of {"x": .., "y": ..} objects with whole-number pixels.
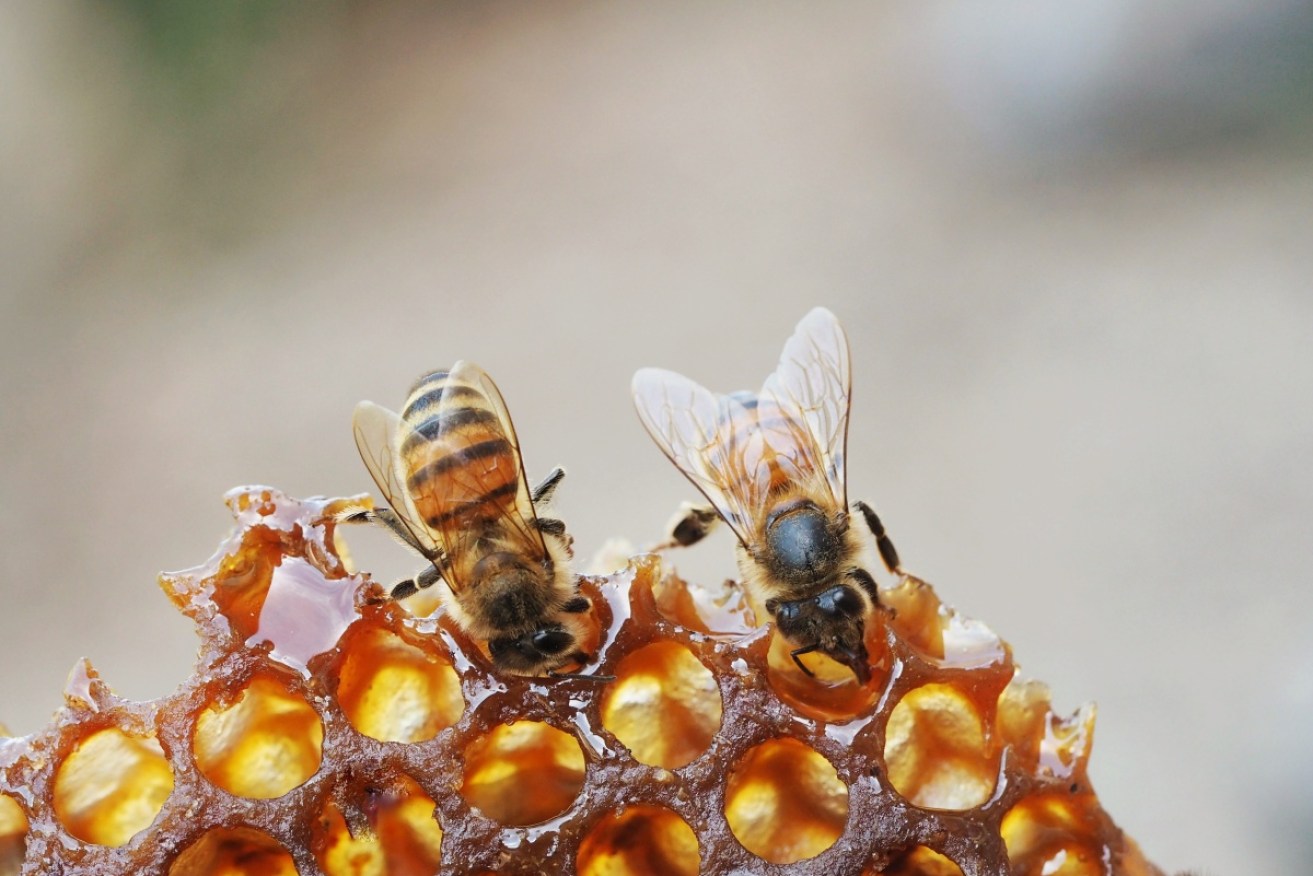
[{"x": 328, "y": 730}]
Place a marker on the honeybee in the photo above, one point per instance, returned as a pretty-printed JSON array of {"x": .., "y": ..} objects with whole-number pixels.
[
  {"x": 449, "y": 467},
  {"x": 772, "y": 466}
]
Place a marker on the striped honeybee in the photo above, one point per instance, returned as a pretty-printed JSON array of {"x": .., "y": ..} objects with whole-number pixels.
[
  {"x": 772, "y": 466},
  {"x": 450, "y": 468}
]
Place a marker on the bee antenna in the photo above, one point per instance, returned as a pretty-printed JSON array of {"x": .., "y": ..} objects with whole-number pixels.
[
  {"x": 601, "y": 679},
  {"x": 797, "y": 653},
  {"x": 581, "y": 657}
]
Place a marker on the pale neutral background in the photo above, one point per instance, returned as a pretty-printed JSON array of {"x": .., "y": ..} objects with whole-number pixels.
[{"x": 1072, "y": 245}]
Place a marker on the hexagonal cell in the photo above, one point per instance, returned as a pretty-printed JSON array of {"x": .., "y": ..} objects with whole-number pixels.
[
  {"x": 111, "y": 786},
  {"x": 919, "y": 861},
  {"x": 1051, "y": 834},
  {"x": 393, "y": 690},
  {"x": 13, "y": 836},
  {"x": 239, "y": 851},
  {"x": 917, "y": 615},
  {"x": 641, "y": 840},
  {"x": 263, "y": 745},
  {"x": 723, "y": 612},
  {"x": 831, "y": 692},
  {"x": 937, "y": 631},
  {"x": 523, "y": 773},
  {"x": 405, "y": 836},
  {"x": 664, "y": 705},
  {"x": 936, "y": 750},
  {"x": 785, "y": 802},
  {"x": 304, "y": 613}
]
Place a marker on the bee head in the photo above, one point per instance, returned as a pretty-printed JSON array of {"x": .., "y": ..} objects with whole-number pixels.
[
  {"x": 529, "y": 653},
  {"x": 564, "y": 634},
  {"x": 832, "y": 622}
]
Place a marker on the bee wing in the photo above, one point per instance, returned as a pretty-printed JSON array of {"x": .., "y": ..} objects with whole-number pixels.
[
  {"x": 701, "y": 434},
  {"x": 378, "y": 434},
  {"x": 814, "y": 384},
  {"x": 479, "y": 490}
]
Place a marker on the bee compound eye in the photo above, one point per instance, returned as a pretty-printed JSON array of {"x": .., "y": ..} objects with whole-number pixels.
[
  {"x": 785, "y": 611},
  {"x": 552, "y": 640},
  {"x": 839, "y": 600},
  {"x": 849, "y": 602}
]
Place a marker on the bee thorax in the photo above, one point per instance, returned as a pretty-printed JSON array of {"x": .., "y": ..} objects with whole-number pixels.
[
  {"x": 510, "y": 593},
  {"x": 803, "y": 544},
  {"x": 497, "y": 565}
]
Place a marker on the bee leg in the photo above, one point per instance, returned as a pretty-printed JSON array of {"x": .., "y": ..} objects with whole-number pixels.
[
  {"x": 543, "y": 492},
  {"x": 866, "y": 582},
  {"x": 888, "y": 552},
  {"x": 411, "y": 586},
  {"x": 402, "y": 589},
  {"x": 428, "y": 577},
  {"x": 556, "y": 528},
  {"x": 697, "y": 523},
  {"x": 798, "y": 652},
  {"x": 551, "y": 526},
  {"x": 577, "y": 605},
  {"x": 690, "y": 525},
  {"x": 386, "y": 518}
]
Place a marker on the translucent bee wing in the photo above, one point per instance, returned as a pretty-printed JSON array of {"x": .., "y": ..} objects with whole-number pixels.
[
  {"x": 379, "y": 433},
  {"x": 814, "y": 381},
  {"x": 515, "y": 512},
  {"x": 704, "y": 436}
]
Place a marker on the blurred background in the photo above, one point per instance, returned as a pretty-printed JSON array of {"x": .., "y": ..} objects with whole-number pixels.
[{"x": 1072, "y": 245}]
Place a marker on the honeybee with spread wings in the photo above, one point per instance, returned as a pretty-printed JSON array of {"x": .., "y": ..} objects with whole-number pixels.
[
  {"x": 772, "y": 466},
  {"x": 450, "y": 469}
]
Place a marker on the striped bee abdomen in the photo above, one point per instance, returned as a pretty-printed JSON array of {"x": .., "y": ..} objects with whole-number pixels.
[{"x": 460, "y": 464}]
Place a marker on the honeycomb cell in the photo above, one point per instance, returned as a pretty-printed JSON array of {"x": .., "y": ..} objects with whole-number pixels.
[
  {"x": 111, "y": 786},
  {"x": 239, "y": 851},
  {"x": 523, "y": 773},
  {"x": 784, "y": 802},
  {"x": 13, "y": 836},
  {"x": 723, "y": 613},
  {"x": 831, "y": 692},
  {"x": 304, "y": 613},
  {"x": 642, "y": 840},
  {"x": 393, "y": 690},
  {"x": 916, "y": 615},
  {"x": 936, "y": 750},
  {"x": 1022, "y": 718},
  {"x": 937, "y": 631},
  {"x": 1049, "y": 834},
  {"x": 263, "y": 745},
  {"x": 404, "y": 836},
  {"x": 664, "y": 705},
  {"x": 919, "y": 861}
]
